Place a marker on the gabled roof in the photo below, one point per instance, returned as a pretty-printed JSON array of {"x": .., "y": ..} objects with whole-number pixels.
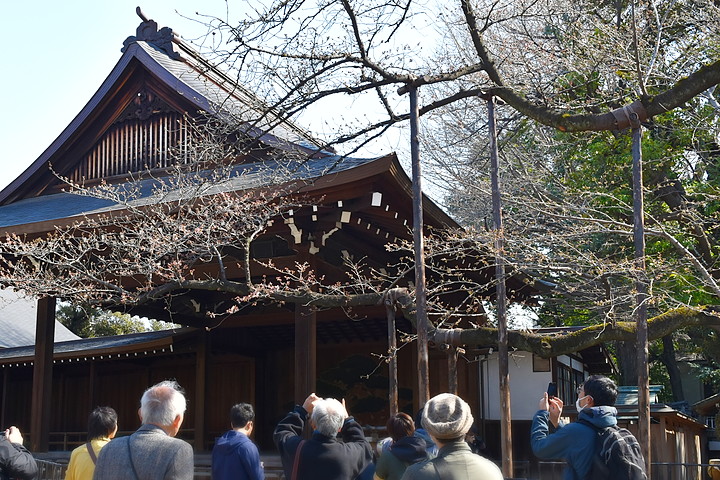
[
  {"x": 193, "y": 82},
  {"x": 18, "y": 318}
]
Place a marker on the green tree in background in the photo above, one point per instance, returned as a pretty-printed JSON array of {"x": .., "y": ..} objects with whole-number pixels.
[{"x": 87, "y": 322}]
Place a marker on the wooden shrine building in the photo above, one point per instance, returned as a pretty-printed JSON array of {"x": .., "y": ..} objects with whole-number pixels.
[{"x": 271, "y": 355}]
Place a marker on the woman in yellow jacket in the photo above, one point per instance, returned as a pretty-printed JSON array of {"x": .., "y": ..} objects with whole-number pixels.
[{"x": 102, "y": 426}]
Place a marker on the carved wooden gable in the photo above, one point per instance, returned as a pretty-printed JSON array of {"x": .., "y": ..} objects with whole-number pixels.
[{"x": 146, "y": 135}]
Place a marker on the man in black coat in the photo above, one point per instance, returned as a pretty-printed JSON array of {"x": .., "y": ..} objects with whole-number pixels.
[
  {"x": 324, "y": 456},
  {"x": 15, "y": 460}
]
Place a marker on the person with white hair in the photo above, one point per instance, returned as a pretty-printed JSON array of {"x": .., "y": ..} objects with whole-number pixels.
[
  {"x": 151, "y": 452},
  {"x": 324, "y": 456},
  {"x": 447, "y": 418}
]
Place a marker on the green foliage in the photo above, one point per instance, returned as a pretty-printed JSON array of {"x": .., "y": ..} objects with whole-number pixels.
[{"x": 89, "y": 322}]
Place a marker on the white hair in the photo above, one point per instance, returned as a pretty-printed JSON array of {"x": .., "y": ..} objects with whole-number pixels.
[
  {"x": 328, "y": 415},
  {"x": 162, "y": 403}
]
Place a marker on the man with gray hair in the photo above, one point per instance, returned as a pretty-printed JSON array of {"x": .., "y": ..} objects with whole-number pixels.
[
  {"x": 324, "y": 456},
  {"x": 152, "y": 452}
]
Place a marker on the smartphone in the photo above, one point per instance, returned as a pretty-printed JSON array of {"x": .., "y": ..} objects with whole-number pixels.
[{"x": 552, "y": 389}]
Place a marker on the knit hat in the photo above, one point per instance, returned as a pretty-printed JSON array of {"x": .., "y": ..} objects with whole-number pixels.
[{"x": 447, "y": 416}]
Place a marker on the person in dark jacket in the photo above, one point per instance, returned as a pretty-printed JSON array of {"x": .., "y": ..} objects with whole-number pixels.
[
  {"x": 235, "y": 456},
  {"x": 404, "y": 450},
  {"x": 574, "y": 442},
  {"x": 15, "y": 460},
  {"x": 323, "y": 456}
]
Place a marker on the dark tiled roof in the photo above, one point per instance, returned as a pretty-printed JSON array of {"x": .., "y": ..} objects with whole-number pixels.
[
  {"x": 95, "y": 346},
  {"x": 243, "y": 177}
]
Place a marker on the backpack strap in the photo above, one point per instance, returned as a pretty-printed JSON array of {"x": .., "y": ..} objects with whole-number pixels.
[
  {"x": 582, "y": 421},
  {"x": 93, "y": 457}
]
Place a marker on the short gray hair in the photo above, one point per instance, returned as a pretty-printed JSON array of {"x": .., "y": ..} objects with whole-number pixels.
[
  {"x": 328, "y": 415},
  {"x": 162, "y": 403}
]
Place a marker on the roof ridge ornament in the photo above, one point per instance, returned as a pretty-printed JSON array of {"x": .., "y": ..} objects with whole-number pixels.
[{"x": 147, "y": 31}]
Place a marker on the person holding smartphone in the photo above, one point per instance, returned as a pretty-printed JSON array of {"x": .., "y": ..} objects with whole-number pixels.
[
  {"x": 15, "y": 460},
  {"x": 574, "y": 442}
]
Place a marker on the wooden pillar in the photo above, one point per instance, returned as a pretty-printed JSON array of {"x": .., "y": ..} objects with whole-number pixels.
[
  {"x": 305, "y": 352},
  {"x": 92, "y": 389},
  {"x": 200, "y": 378},
  {"x": 4, "y": 395},
  {"x": 42, "y": 375}
]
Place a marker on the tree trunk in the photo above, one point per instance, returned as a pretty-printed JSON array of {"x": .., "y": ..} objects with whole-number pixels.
[
  {"x": 627, "y": 362},
  {"x": 670, "y": 361}
]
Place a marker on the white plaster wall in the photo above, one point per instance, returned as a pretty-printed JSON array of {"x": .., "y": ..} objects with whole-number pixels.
[{"x": 526, "y": 386}]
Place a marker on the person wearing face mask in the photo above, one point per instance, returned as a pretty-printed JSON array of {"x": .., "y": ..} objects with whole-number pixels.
[{"x": 574, "y": 442}]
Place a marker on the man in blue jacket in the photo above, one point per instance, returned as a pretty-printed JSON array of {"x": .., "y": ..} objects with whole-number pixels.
[
  {"x": 235, "y": 456},
  {"x": 574, "y": 442}
]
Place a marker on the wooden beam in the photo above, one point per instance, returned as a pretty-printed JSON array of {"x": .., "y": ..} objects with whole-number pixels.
[
  {"x": 42, "y": 375},
  {"x": 305, "y": 352}
]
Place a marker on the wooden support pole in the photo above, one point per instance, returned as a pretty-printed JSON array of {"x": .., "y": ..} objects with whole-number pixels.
[
  {"x": 641, "y": 296},
  {"x": 452, "y": 370},
  {"x": 200, "y": 390},
  {"x": 305, "y": 352},
  {"x": 419, "y": 247},
  {"x": 392, "y": 363},
  {"x": 501, "y": 300},
  {"x": 42, "y": 376}
]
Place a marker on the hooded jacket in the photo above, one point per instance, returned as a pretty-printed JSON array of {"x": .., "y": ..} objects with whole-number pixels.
[
  {"x": 574, "y": 442},
  {"x": 406, "y": 451},
  {"x": 236, "y": 457}
]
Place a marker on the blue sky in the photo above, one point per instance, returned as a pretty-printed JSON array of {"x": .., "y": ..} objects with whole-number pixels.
[{"x": 54, "y": 56}]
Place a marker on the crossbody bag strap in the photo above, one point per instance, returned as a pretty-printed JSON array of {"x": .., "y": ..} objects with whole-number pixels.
[
  {"x": 132, "y": 464},
  {"x": 93, "y": 457},
  {"x": 442, "y": 468},
  {"x": 296, "y": 463}
]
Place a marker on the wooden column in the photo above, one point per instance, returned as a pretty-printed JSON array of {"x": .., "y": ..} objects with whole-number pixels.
[
  {"x": 42, "y": 375},
  {"x": 4, "y": 396},
  {"x": 305, "y": 352},
  {"x": 200, "y": 377}
]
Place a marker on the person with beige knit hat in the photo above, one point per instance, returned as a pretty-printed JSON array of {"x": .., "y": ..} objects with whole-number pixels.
[{"x": 447, "y": 418}]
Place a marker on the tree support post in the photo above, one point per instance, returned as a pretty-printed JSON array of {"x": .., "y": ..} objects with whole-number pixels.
[
  {"x": 500, "y": 291},
  {"x": 420, "y": 293},
  {"x": 392, "y": 358},
  {"x": 641, "y": 297}
]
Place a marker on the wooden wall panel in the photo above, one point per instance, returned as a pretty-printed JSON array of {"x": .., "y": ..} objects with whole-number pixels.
[{"x": 231, "y": 380}]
